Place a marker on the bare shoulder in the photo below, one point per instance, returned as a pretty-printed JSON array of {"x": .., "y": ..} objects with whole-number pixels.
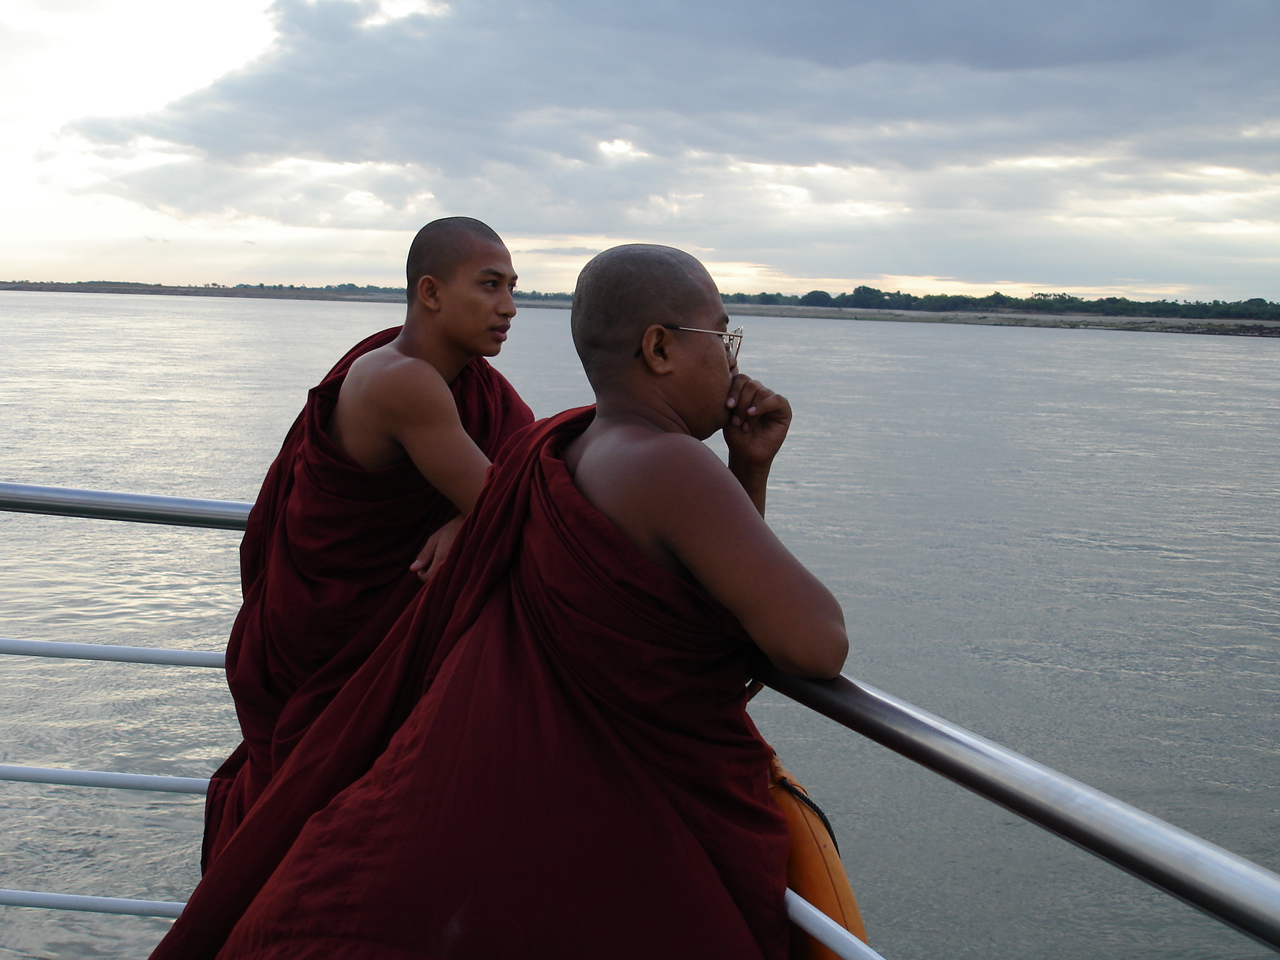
[
  {"x": 632, "y": 459},
  {"x": 672, "y": 497},
  {"x": 384, "y": 400},
  {"x": 655, "y": 487},
  {"x": 389, "y": 376}
]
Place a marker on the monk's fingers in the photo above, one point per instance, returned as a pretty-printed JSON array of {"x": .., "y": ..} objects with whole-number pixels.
[
  {"x": 753, "y": 394},
  {"x": 425, "y": 556},
  {"x": 771, "y": 409},
  {"x": 436, "y": 549},
  {"x": 771, "y": 406},
  {"x": 430, "y": 572},
  {"x": 427, "y": 561},
  {"x": 753, "y": 400},
  {"x": 741, "y": 389}
]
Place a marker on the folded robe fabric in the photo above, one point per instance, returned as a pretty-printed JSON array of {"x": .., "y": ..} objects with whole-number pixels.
[
  {"x": 325, "y": 573},
  {"x": 548, "y": 756}
]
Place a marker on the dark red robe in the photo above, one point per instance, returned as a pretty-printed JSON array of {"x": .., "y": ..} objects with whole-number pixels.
[
  {"x": 548, "y": 756},
  {"x": 324, "y": 567}
]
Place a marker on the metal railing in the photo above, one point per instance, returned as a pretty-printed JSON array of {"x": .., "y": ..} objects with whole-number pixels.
[
  {"x": 103, "y": 778},
  {"x": 67, "y": 901},
  {"x": 1229, "y": 888},
  {"x": 137, "y": 507},
  {"x": 106, "y": 651}
]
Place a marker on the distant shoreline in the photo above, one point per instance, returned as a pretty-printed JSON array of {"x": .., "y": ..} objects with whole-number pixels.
[
  {"x": 378, "y": 295},
  {"x": 998, "y": 318}
]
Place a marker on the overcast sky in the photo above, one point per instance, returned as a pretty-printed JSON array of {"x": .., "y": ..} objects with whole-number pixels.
[{"x": 1093, "y": 146}]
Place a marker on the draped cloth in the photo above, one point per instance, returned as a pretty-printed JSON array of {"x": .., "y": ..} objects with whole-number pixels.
[
  {"x": 548, "y": 756},
  {"x": 325, "y": 573}
]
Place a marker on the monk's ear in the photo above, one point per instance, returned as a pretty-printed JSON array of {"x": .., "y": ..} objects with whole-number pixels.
[
  {"x": 429, "y": 292},
  {"x": 655, "y": 349}
]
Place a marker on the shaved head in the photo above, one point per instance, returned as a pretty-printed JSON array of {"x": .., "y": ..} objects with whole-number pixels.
[
  {"x": 441, "y": 246},
  {"x": 625, "y": 290}
]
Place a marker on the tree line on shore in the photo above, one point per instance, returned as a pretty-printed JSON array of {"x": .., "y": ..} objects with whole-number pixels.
[
  {"x": 1064, "y": 303},
  {"x": 862, "y": 297},
  {"x": 871, "y": 298},
  {"x": 371, "y": 289}
]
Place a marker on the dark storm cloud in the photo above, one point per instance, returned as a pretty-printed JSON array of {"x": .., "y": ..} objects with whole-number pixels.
[{"x": 504, "y": 104}]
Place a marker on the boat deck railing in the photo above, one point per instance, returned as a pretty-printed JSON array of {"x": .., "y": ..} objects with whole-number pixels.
[{"x": 1228, "y": 888}]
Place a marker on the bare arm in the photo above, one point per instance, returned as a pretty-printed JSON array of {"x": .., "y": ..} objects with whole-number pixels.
[
  {"x": 713, "y": 527},
  {"x": 396, "y": 406},
  {"x": 672, "y": 496}
]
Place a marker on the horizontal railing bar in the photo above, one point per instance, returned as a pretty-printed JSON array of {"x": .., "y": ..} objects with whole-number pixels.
[
  {"x": 66, "y": 901},
  {"x": 1227, "y": 887},
  {"x": 101, "y": 778},
  {"x": 825, "y": 930},
  {"x": 806, "y": 916},
  {"x": 137, "y": 507},
  {"x": 107, "y": 651}
]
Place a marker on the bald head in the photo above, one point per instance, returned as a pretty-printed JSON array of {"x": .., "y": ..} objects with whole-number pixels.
[
  {"x": 625, "y": 290},
  {"x": 441, "y": 246}
]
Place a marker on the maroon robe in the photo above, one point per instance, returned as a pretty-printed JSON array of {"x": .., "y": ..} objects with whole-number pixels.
[
  {"x": 324, "y": 568},
  {"x": 548, "y": 756}
]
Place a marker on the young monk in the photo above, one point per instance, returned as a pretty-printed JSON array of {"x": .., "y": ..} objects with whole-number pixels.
[
  {"x": 550, "y": 755},
  {"x": 390, "y": 449}
]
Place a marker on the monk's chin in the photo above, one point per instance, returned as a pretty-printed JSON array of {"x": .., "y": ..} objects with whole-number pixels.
[{"x": 703, "y": 433}]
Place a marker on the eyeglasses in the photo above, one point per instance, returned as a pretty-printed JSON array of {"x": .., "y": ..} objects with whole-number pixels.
[{"x": 732, "y": 339}]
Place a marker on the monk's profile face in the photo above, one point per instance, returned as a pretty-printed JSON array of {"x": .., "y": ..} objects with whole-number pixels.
[
  {"x": 708, "y": 372},
  {"x": 476, "y": 303}
]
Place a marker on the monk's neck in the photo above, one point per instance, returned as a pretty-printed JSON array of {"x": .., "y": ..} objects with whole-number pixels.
[
  {"x": 636, "y": 411},
  {"x": 416, "y": 340}
]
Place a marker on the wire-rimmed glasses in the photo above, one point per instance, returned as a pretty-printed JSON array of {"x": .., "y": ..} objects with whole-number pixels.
[{"x": 732, "y": 339}]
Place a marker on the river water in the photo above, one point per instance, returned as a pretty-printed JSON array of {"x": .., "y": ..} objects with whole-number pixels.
[{"x": 1067, "y": 541}]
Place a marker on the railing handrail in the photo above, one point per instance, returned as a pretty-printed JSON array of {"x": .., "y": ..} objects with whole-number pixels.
[
  {"x": 102, "y": 778},
  {"x": 806, "y": 916},
  {"x": 1229, "y": 888},
  {"x": 137, "y": 507},
  {"x": 111, "y": 652},
  {"x": 69, "y": 901}
]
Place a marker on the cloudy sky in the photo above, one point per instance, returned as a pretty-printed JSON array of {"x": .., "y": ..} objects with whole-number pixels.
[{"x": 1093, "y": 146}]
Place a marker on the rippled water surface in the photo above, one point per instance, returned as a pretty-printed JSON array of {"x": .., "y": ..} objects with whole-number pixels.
[{"x": 1065, "y": 540}]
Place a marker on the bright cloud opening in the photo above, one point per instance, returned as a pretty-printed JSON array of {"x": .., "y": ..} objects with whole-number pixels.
[
  {"x": 391, "y": 10},
  {"x": 621, "y": 150}
]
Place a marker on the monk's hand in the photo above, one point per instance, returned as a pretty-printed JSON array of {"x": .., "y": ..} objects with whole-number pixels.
[
  {"x": 436, "y": 549},
  {"x": 758, "y": 423}
]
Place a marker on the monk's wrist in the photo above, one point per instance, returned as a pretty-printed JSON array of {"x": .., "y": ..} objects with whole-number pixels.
[{"x": 754, "y": 478}]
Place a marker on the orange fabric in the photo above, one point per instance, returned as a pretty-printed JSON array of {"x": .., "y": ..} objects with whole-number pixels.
[{"x": 814, "y": 870}]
